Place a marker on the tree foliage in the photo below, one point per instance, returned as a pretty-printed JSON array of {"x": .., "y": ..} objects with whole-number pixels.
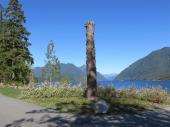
[
  {"x": 51, "y": 71},
  {"x": 15, "y": 57}
]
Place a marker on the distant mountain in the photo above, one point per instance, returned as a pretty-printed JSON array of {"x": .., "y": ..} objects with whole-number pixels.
[
  {"x": 100, "y": 77},
  {"x": 73, "y": 72},
  {"x": 110, "y": 76},
  {"x": 83, "y": 68},
  {"x": 155, "y": 66},
  {"x": 37, "y": 71}
]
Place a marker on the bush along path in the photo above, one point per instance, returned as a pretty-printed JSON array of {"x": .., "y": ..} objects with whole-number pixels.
[
  {"x": 70, "y": 99},
  {"x": 16, "y": 113}
]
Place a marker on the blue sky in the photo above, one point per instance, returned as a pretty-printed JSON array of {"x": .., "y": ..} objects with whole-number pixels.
[{"x": 125, "y": 31}]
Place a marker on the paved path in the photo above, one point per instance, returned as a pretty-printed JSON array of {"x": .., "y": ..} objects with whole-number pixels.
[{"x": 16, "y": 113}]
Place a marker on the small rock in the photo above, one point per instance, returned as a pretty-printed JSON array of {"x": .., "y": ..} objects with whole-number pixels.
[
  {"x": 101, "y": 107},
  {"x": 44, "y": 118}
]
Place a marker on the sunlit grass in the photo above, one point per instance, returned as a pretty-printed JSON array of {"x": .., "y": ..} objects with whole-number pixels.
[
  {"x": 72, "y": 104},
  {"x": 124, "y": 103},
  {"x": 10, "y": 91},
  {"x": 83, "y": 105}
]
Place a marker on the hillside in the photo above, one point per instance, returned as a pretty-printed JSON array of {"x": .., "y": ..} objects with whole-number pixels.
[
  {"x": 73, "y": 72},
  {"x": 155, "y": 66},
  {"x": 100, "y": 77},
  {"x": 110, "y": 77}
]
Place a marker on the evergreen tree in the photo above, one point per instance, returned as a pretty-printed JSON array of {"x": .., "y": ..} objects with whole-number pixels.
[
  {"x": 15, "y": 56},
  {"x": 1, "y": 9},
  {"x": 51, "y": 71},
  {"x": 1, "y": 36}
]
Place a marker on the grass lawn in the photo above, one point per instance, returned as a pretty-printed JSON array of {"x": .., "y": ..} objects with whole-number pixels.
[
  {"x": 72, "y": 104},
  {"x": 80, "y": 104},
  {"x": 11, "y": 92}
]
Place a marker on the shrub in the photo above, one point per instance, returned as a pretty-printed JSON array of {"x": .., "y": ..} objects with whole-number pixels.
[
  {"x": 155, "y": 95},
  {"x": 106, "y": 93},
  {"x": 127, "y": 93}
]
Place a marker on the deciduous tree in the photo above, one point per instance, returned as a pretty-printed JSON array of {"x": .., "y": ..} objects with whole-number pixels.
[{"x": 51, "y": 71}]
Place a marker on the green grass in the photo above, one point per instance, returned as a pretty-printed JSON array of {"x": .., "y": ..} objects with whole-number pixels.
[
  {"x": 11, "y": 92},
  {"x": 72, "y": 104},
  {"x": 80, "y": 104},
  {"x": 130, "y": 105}
]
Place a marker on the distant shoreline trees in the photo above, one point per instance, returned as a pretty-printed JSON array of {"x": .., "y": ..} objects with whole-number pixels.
[{"x": 15, "y": 57}]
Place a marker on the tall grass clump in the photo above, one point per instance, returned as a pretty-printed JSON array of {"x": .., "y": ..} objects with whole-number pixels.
[
  {"x": 127, "y": 93},
  {"x": 155, "y": 95},
  {"x": 52, "y": 92},
  {"x": 106, "y": 93}
]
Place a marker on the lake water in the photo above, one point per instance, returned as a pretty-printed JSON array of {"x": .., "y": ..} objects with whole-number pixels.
[
  {"x": 139, "y": 84},
  {"x": 117, "y": 84}
]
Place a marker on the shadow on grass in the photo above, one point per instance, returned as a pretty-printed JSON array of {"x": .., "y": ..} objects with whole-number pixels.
[
  {"x": 117, "y": 106},
  {"x": 85, "y": 108},
  {"x": 122, "y": 114}
]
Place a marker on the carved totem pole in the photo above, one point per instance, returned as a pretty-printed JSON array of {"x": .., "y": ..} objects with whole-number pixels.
[{"x": 91, "y": 91}]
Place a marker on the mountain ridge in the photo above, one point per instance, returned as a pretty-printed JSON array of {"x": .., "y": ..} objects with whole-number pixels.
[
  {"x": 155, "y": 66},
  {"x": 110, "y": 76},
  {"x": 71, "y": 71}
]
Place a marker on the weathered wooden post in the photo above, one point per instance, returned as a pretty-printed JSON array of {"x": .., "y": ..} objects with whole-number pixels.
[{"x": 91, "y": 91}]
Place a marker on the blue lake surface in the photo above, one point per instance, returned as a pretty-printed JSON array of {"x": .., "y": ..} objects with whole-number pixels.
[{"x": 139, "y": 84}]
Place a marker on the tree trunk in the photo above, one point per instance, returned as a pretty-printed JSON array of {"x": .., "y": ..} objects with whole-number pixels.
[
  {"x": 1, "y": 9},
  {"x": 91, "y": 91}
]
